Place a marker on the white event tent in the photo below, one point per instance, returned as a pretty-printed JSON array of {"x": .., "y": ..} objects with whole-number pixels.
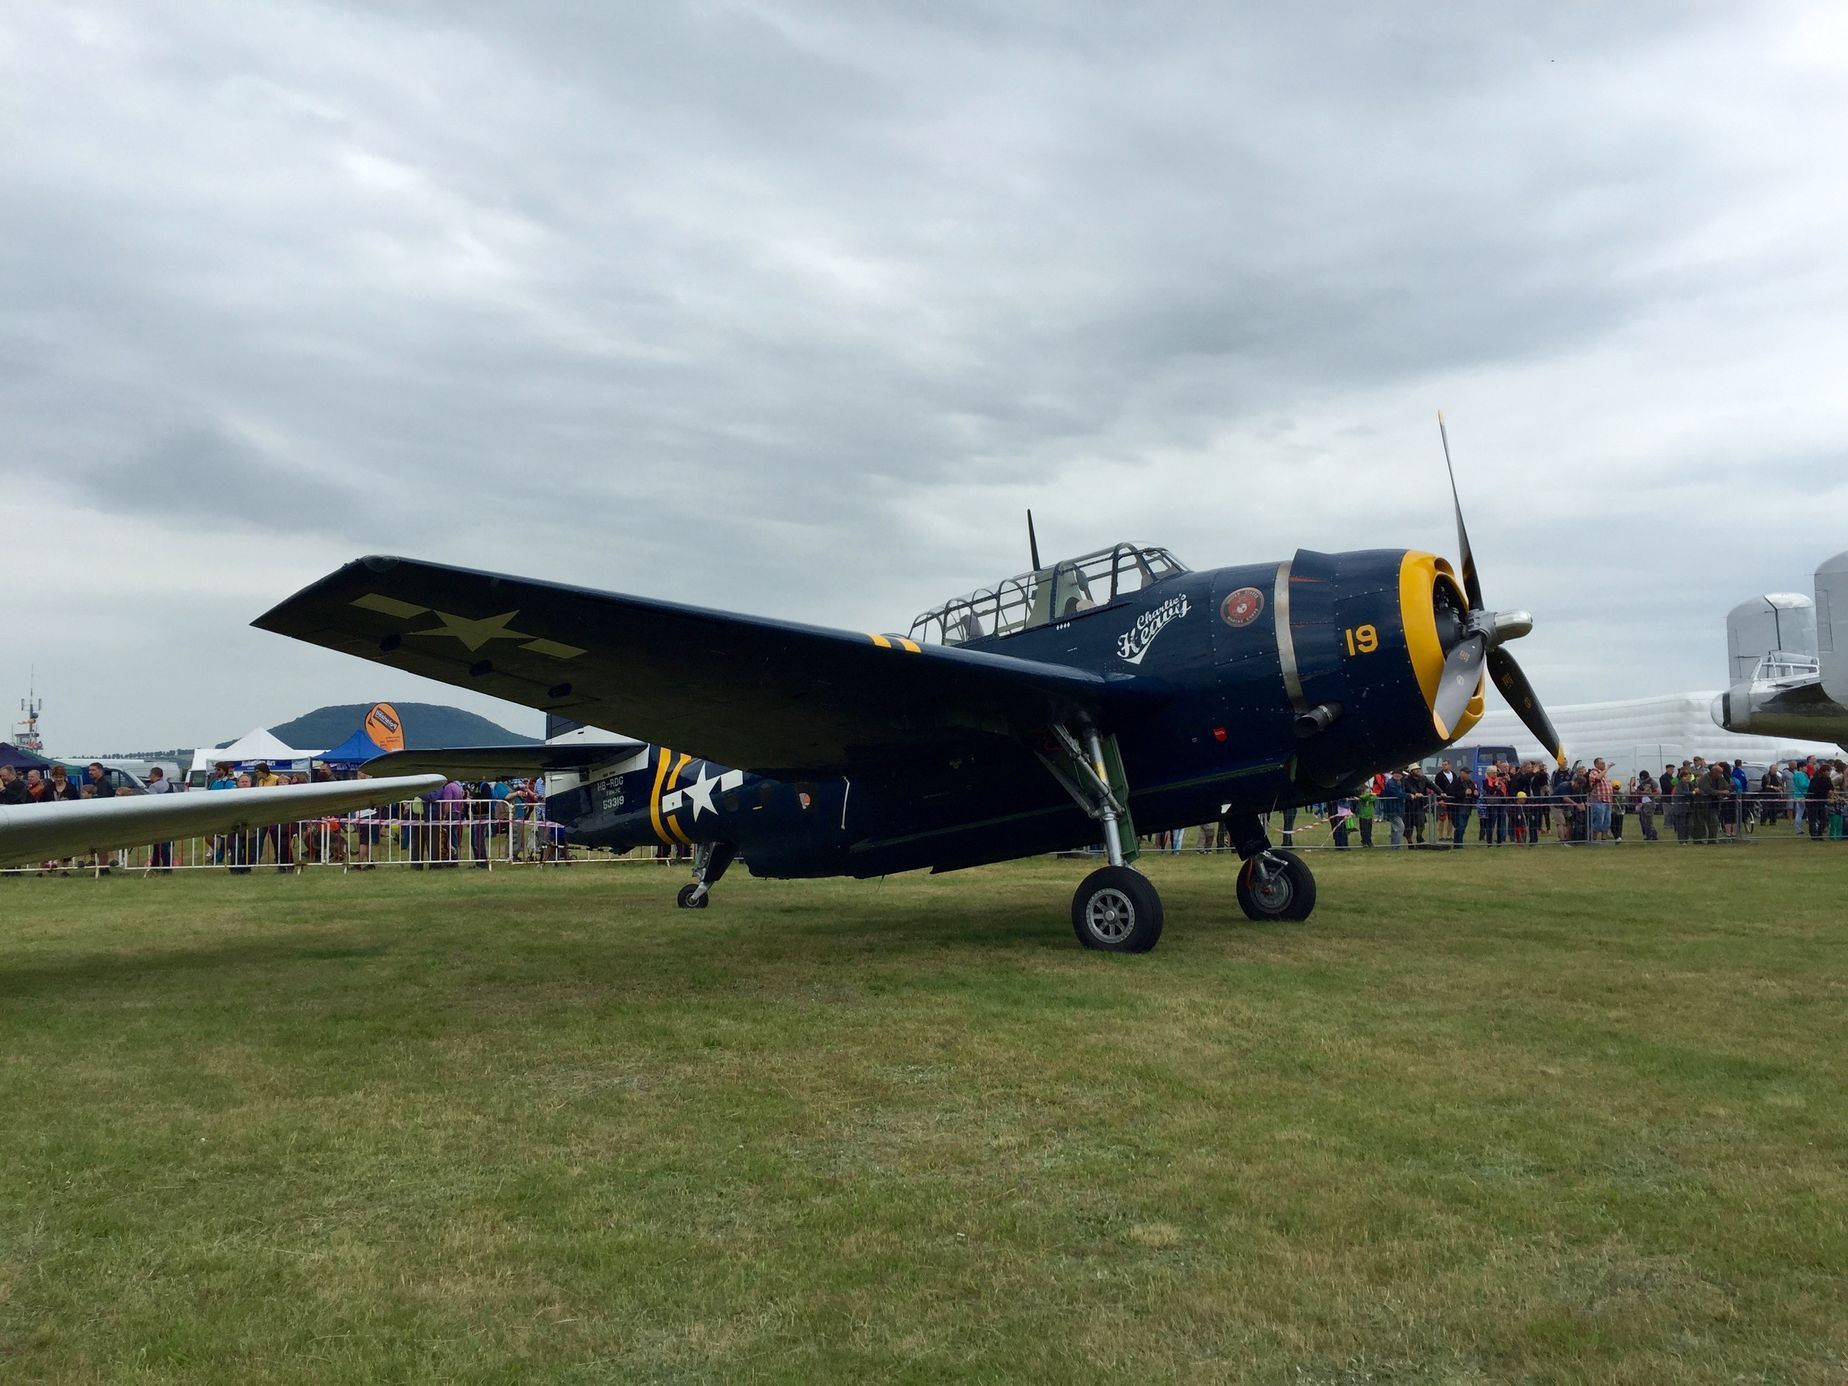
[{"x": 255, "y": 745}]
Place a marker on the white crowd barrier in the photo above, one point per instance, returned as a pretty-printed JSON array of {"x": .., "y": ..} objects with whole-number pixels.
[
  {"x": 1432, "y": 822},
  {"x": 498, "y": 834},
  {"x": 485, "y": 834}
]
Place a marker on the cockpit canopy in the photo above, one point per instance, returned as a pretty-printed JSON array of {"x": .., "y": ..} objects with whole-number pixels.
[
  {"x": 1045, "y": 595},
  {"x": 1784, "y": 664}
]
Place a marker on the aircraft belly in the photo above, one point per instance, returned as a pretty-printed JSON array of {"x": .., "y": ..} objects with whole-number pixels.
[
  {"x": 980, "y": 833},
  {"x": 1005, "y": 806}
]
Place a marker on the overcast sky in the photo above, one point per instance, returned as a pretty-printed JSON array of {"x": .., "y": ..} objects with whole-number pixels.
[{"x": 795, "y": 309}]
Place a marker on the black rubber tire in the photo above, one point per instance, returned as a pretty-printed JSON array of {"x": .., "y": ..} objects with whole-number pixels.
[
  {"x": 686, "y": 901},
  {"x": 1291, "y": 894},
  {"x": 1117, "y": 910}
]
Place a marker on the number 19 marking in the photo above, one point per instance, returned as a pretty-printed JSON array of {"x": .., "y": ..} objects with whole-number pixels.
[{"x": 1362, "y": 639}]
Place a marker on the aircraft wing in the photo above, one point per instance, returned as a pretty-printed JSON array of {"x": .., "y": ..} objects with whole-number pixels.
[
  {"x": 772, "y": 696},
  {"x": 502, "y": 762},
  {"x": 38, "y": 832}
]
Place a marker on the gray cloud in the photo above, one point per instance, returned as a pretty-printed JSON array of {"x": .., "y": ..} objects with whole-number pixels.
[
  {"x": 204, "y": 475},
  {"x": 795, "y": 307}
]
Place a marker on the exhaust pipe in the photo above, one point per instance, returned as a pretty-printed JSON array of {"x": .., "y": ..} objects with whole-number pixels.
[{"x": 1317, "y": 719}]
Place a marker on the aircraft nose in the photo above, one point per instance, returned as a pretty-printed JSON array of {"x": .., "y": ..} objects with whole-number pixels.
[{"x": 1721, "y": 709}]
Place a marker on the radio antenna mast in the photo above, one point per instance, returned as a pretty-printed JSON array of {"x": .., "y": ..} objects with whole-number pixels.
[{"x": 26, "y": 734}]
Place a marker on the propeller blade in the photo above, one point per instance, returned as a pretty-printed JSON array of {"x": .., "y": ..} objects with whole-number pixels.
[
  {"x": 1472, "y": 586},
  {"x": 1462, "y": 672},
  {"x": 1525, "y": 702}
]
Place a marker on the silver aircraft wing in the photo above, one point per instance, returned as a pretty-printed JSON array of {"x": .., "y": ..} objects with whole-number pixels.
[
  {"x": 38, "y": 832},
  {"x": 501, "y": 762}
]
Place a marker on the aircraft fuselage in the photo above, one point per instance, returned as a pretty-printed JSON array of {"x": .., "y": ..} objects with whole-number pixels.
[{"x": 1253, "y": 687}]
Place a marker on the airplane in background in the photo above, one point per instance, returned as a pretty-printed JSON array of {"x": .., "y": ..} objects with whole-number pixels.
[
  {"x": 1789, "y": 662},
  {"x": 1088, "y": 699},
  {"x": 31, "y": 833}
]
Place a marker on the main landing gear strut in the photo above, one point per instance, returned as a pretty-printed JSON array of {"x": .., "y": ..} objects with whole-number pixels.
[
  {"x": 1273, "y": 882},
  {"x": 1116, "y": 908},
  {"x": 709, "y": 862}
]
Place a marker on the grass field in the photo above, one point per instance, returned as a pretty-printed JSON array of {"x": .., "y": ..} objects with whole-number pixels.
[{"x": 1549, "y": 1115}]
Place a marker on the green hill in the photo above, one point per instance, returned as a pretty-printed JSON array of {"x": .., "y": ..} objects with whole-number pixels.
[{"x": 426, "y": 726}]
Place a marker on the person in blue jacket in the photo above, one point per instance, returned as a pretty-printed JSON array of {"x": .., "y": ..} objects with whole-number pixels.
[{"x": 1392, "y": 805}]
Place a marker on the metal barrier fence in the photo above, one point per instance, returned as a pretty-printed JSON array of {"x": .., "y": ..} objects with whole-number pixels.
[
  {"x": 1428, "y": 821},
  {"x": 487, "y": 834},
  {"x": 490, "y": 834}
]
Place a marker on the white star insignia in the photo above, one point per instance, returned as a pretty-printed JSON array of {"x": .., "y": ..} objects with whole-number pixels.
[{"x": 699, "y": 793}]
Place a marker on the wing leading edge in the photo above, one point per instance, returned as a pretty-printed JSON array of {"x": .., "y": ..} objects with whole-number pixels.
[
  {"x": 503, "y": 762},
  {"x": 777, "y": 697}
]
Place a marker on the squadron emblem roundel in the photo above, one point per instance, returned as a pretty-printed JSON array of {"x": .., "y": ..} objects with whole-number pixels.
[{"x": 1242, "y": 607}]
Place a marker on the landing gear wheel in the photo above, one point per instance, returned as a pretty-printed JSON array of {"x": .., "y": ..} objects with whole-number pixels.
[
  {"x": 688, "y": 901},
  {"x": 1280, "y": 888},
  {"x": 1117, "y": 910}
]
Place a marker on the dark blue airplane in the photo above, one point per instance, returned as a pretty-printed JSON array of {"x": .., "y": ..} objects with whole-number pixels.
[{"x": 1080, "y": 703}]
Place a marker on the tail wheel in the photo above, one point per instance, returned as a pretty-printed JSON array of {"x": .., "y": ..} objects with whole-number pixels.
[
  {"x": 1117, "y": 910},
  {"x": 687, "y": 900},
  {"x": 1280, "y": 888}
]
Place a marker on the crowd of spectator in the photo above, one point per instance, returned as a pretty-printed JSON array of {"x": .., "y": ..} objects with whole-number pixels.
[
  {"x": 460, "y": 823},
  {"x": 53, "y": 786},
  {"x": 1524, "y": 804},
  {"x": 456, "y": 825}
]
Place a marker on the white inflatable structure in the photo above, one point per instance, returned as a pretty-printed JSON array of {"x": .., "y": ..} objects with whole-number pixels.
[{"x": 1642, "y": 734}]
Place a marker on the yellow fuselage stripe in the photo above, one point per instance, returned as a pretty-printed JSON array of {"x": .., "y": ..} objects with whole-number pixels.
[
  {"x": 673, "y": 780},
  {"x": 654, "y": 802}
]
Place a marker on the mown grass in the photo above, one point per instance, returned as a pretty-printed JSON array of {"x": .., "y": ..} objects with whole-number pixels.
[{"x": 1549, "y": 1115}]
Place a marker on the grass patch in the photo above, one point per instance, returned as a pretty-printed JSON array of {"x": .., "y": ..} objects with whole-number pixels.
[{"x": 1543, "y": 1115}]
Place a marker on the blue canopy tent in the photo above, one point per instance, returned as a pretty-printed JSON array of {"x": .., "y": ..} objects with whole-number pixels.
[
  {"x": 357, "y": 749},
  {"x": 21, "y": 760}
]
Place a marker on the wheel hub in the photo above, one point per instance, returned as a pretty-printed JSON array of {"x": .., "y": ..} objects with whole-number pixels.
[
  {"x": 1110, "y": 915},
  {"x": 1271, "y": 889}
]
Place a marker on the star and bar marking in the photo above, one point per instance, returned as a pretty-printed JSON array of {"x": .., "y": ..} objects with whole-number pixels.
[
  {"x": 472, "y": 632},
  {"x": 697, "y": 793}
]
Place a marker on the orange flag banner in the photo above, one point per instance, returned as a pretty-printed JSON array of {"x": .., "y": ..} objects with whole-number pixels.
[{"x": 384, "y": 727}]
